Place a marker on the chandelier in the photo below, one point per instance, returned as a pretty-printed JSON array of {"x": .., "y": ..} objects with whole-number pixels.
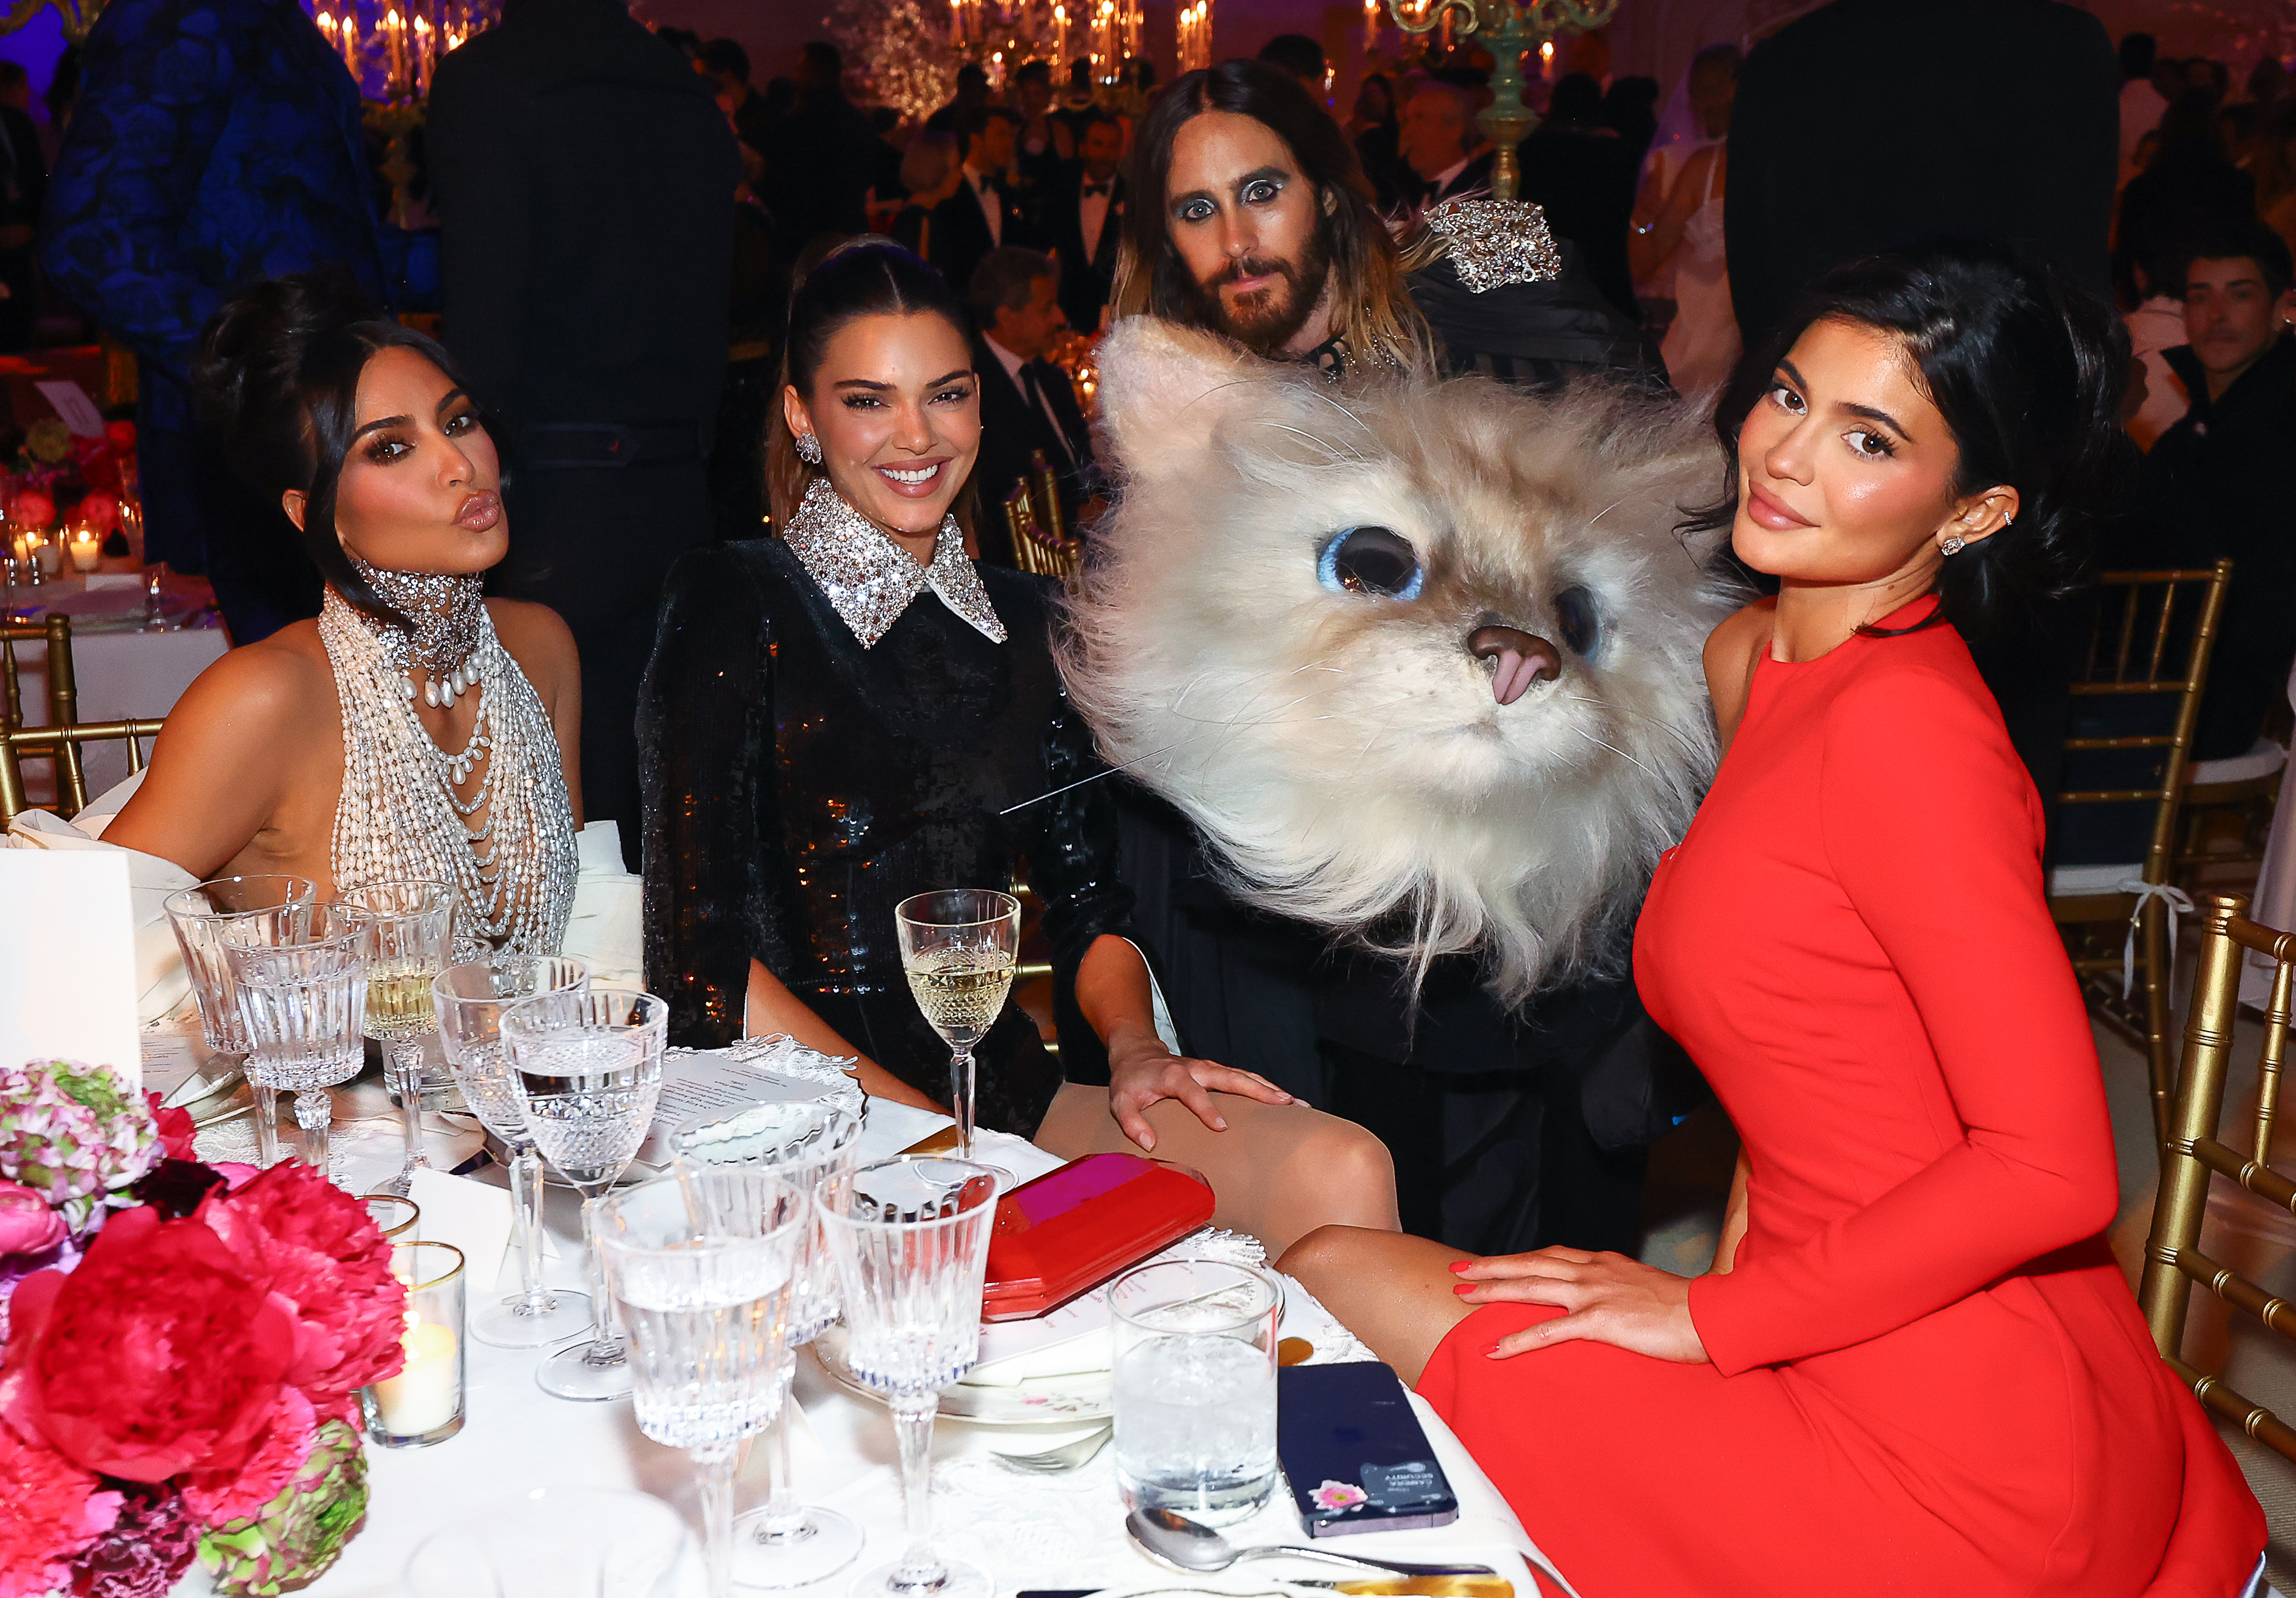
[{"x": 1509, "y": 29}]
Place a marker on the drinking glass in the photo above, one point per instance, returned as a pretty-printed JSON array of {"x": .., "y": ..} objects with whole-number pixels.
[
  {"x": 702, "y": 1264},
  {"x": 405, "y": 946},
  {"x": 470, "y": 1000},
  {"x": 587, "y": 1069},
  {"x": 304, "y": 995},
  {"x": 556, "y": 1542},
  {"x": 910, "y": 1239},
  {"x": 959, "y": 948},
  {"x": 1195, "y": 1387},
  {"x": 271, "y": 908},
  {"x": 788, "y": 1542},
  {"x": 393, "y": 1216}
]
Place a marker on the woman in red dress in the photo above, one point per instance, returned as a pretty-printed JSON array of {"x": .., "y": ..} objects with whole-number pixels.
[{"x": 1914, "y": 1367}]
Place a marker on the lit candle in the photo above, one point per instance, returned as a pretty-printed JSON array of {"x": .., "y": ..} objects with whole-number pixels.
[
  {"x": 87, "y": 549},
  {"x": 425, "y": 1395}
]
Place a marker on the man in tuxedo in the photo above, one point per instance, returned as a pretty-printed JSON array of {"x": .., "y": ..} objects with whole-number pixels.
[
  {"x": 1026, "y": 403},
  {"x": 1439, "y": 137},
  {"x": 1084, "y": 222},
  {"x": 980, "y": 216}
]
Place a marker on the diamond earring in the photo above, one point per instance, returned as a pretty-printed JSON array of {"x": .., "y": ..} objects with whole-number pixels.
[
  {"x": 809, "y": 448},
  {"x": 1952, "y": 546}
]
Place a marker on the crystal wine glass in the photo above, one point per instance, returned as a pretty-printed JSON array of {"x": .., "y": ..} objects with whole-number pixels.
[
  {"x": 470, "y": 1000},
  {"x": 556, "y": 1542},
  {"x": 910, "y": 1239},
  {"x": 304, "y": 996},
  {"x": 405, "y": 946},
  {"x": 271, "y": 907},
  {"x": 788, "y": 1542},
  {"x": 959, "y": 948},
  {"x": 587, "y": 1070},
  {"x": 702, "y": 1266}
]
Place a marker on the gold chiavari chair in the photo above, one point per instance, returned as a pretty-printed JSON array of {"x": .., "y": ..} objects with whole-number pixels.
[
  {"x": 71, "y": 796},
  {"x": 2173, "y": 1260},
  {"x": 54, "y": 635},
  {"x": 2135, "y": 706}
]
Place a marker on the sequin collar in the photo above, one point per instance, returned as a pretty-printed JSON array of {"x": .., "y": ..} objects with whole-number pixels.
[
  {"x": 1494, "y": 243},
  {"x": 448, "y": 613},
  {"x": 869, "y": 579}
]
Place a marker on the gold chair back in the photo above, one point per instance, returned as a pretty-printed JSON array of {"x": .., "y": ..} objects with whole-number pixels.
[
  {"x": 1034, "y": 550},
  {"x": 16, "y": 743},
  {"x": 2155, "y": 633},
  {"x": 2194, "y": 1153},
  {"x": 54, "y": 634}
]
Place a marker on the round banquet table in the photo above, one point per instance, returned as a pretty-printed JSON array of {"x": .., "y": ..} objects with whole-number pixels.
[
  {"x": 1032, "y": 1532},
  {"x": 122, "y": 670}
]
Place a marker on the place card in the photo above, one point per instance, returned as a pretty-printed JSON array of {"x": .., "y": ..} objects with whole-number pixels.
[
  {"x": 68, "y": 960},
  {"x": 474, "y": 1216},
  {"x": 74, "y": 406}
]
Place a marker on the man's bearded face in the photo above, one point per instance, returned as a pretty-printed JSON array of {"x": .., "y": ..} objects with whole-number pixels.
[{"x": 1248, "y": 228}]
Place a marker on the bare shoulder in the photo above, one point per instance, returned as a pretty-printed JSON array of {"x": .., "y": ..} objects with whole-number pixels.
[
  {"x": 1732, "y": 650},
  {"x": 538, "y": 638},
  {"x": 274, "y": 683}
]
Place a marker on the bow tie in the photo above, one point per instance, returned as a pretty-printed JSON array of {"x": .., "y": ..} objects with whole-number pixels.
[{"x": 1090, "y": 189}]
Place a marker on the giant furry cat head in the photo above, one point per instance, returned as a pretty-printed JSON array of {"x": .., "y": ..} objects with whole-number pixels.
[{"x": 1421, "y": 661}]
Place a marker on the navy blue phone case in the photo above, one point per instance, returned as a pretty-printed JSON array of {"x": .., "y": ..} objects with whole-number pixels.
[{"x": 1354, "y": 1452}]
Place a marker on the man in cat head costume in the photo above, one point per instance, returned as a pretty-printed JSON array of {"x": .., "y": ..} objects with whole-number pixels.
[{"x": 1403, "y": 674}]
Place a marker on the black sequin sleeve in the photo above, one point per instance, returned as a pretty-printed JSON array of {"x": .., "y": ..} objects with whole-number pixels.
[{"x": 713, "y": 851}]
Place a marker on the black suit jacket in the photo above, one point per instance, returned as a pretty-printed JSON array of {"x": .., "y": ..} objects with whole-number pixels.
[
  {"x": 1010, "y": 428},
  {"x": 1922, "y": 134},
  {"x": 960, "y": 231},
  {"x": 1474, "y": 178},
  {"x": 1087, "y": 279}
]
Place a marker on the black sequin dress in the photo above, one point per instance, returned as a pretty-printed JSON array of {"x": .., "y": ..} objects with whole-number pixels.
[{"x": 798, "y": 786}]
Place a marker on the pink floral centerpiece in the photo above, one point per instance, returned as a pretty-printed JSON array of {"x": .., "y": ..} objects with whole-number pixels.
[{"x": 180, "y": 1349}]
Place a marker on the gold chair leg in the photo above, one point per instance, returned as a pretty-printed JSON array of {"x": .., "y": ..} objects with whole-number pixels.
[{"x": 2157, "y": 980}]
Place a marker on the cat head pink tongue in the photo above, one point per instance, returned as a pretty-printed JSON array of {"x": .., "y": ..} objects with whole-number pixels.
[{"x": 1518, "y": 659}]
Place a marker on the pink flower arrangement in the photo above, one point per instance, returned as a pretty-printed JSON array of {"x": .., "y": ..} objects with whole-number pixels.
[{"x": 167, "y": 1383}]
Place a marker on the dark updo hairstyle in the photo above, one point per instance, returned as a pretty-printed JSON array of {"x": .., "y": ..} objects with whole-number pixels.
[
  {"x": 867, "y": 276},
  {"x": 2028, "y": 370},
  {"x": 277, "y": 378}
]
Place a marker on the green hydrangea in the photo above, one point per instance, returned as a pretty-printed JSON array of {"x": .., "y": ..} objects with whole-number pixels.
[
  {"x": 294, "y": 1538},
  {"x": 48, "y": 439},
  {"x": 73, "y": 1132}
]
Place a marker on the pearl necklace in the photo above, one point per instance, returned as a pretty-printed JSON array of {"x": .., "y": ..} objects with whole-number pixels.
[{"x": 400, "y": 815}]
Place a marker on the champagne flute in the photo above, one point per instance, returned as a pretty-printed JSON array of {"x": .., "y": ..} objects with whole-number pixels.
[
  {"x": 959, "y": 949},
  {"x": 304, "y": 994},
  {"x": 910, "y": 1238},
  {"x": 470, "y": 1000},
  {"x": 271, "y": 908},
  {"x": 405, "y": 946},
  {"x": 788, "y": 1542},
  {"x": 587, "y": 1069},
  {"x": 702, "y": 1265}
]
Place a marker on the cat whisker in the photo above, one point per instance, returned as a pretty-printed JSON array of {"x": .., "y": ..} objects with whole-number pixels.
[
  {"x": 1330, "y": 451},
  {"x": 1672, "y": 731},
  {"x": 1614, "y": 749}
]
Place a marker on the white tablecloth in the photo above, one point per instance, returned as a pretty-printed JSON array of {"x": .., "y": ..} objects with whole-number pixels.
[
  {"x": 1030, "y": 1531},
  {"x": 119, "y": 675}
]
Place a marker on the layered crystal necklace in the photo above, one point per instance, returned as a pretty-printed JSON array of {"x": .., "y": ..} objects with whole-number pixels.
[{"x": 402, "y": 813}]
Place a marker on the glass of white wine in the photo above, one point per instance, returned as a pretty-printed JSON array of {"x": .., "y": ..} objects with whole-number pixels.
[
  {"x": 405, "y": 945},
  {"x": 959, "y": 948}
]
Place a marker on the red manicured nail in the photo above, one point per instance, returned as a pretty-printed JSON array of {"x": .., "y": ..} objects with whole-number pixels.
[
  {"x": 1464, "y": 1287},
  {"x": 1459, "y": 1266}
]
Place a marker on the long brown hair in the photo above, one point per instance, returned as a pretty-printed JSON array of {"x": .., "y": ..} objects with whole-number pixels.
[
  {"x": 867, "y": 276},
  {"x": 1371, "y": 309}
]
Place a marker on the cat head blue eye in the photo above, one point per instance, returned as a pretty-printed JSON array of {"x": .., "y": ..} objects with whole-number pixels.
[
  {"x": 1579, "y": 621},
  {"x": 1370, "y": 560}
]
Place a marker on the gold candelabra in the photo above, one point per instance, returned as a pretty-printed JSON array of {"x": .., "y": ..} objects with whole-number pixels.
[{"x": 1509, "y": 29}]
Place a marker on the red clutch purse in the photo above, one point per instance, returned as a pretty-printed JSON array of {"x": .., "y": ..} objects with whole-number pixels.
[{"x": 1075, "y": 1227}]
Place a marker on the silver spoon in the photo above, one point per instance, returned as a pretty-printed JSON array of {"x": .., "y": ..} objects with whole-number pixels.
[{"x": 1179, "y": 1543}]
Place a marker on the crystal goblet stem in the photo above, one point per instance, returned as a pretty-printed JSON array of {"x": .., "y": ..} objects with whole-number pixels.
[
  {"x": 920, "y": 1569},
  {"x": 606, "y": 1351},
  {"x": 961, "y": 1089},
  {"x": 406, "y": 1077},
  {"x": 713, "y": 1471},
  {"x": 526, "y": 1175},
  {"x": 266, "y": 1120},
  {"x": 314, "y": 1113}
]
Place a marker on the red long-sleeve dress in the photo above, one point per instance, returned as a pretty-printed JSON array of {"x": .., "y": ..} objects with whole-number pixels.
[{"x": 1929, "y": 1376}]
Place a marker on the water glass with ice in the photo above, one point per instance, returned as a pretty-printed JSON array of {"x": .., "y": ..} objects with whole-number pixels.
[
  {"x": 304, "y": 991},
  {"x": 267, "y": 909},
  {"x": 1195, "y": 1387}
]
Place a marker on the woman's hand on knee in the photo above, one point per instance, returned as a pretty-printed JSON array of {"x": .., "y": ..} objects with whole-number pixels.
[
  {"x": 1142, "y": 1071},
  {"x": 1608, "y": 1298}
]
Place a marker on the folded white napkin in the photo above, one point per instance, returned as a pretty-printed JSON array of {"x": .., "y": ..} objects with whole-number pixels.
[
  {"x": 162, "y": 984},
  {"x": 606, "y": 926},
  {"x": 1093, "y": 1354}
]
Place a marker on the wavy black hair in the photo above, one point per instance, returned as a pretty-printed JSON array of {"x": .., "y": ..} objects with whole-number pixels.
[
  {"x": 2027, "y": 368},
  {"x": 276, "y": 377}
]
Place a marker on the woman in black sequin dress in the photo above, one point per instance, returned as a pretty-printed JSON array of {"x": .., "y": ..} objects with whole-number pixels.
[{"x": 843, "y": 716}]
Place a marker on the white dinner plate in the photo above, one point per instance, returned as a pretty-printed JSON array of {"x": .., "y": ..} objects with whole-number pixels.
[{"x": 1043, "y": 1401}]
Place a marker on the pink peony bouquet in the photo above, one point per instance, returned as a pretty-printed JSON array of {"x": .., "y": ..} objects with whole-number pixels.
[{"x": 181, "y": 1351}]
